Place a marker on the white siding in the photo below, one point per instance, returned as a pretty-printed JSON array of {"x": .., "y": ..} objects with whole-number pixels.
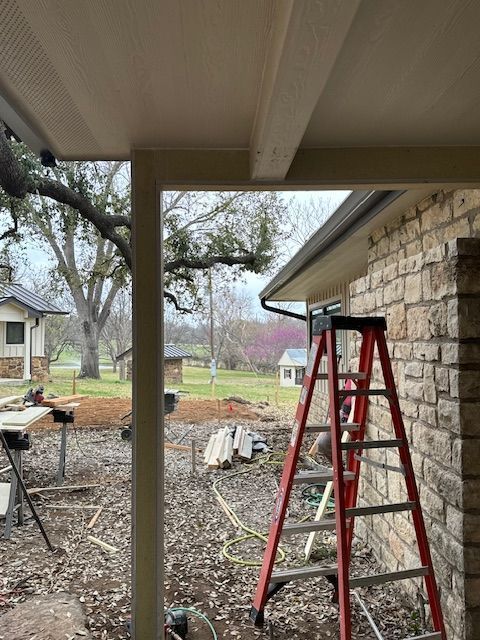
[{"x": 38, "y": 338}]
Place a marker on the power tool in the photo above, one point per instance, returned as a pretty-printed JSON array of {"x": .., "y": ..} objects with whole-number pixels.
[{"x": 35, "y": 397}]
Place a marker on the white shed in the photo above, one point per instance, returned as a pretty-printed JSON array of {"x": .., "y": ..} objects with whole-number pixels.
[
  {"x": 292, "y": 367},
  {"x": 22, "y": 333}
]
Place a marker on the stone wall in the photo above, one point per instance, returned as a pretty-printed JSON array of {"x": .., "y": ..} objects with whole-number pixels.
[
  {"x": 444, "y": 216},
  {"x": 12, "y": 367},
  {"x": 426, "y": 280},
  {"x": 432, "y": 305},
  {"x": 173, "y": 370},
  {"x": 39, "y": 368}
]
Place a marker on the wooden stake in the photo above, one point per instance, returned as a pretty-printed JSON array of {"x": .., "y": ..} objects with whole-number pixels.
[
  {"x": 104, "y": 545},
  {"x": 74, "y": 383},
  {"x": 277, "y": 384},
  {"x": 193, "y": 457},
  {"x": 92, "y": 522}
]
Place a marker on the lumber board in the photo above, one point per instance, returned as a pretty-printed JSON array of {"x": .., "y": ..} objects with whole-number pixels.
[
  {"x": 25, "y": 418},
  {"x": 72, "y": 487},
  {"x": 225, "y": 433},
  {"x": 92, "y": 522},
  {"x": 227, "y": 452},
  {"x": 209, "y": 448},
  {"x": 179, "y": 447},
  {"x": 238, "y": 438},
  {"x": 8, "y": 400},
  {"x": 247, "y": 448},
  {"x": 322, "y": 507},
  {"x": 4, "y": 497},
  {"x": 62, "y": 400},
  {"x": 104, "y": 545},
  {"x": 212, "y": 462}
]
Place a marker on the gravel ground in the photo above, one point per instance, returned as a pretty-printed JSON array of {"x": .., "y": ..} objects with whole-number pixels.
[{"x": 196, "y": 528}]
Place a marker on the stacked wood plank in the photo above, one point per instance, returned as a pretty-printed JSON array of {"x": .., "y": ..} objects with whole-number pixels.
[{"x": 224, "y": 444}]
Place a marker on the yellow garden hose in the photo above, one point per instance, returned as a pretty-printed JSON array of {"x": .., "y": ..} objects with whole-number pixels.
[{"x": 274, "y": 458}]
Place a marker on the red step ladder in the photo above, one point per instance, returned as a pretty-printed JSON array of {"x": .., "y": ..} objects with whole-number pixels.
[{"x": 346, "y": 479}]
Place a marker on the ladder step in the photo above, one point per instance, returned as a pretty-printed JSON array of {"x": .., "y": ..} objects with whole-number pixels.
[
  {"x": 433, "y": 635},
  {"x": 325, "y": 427},
  {"x": 299, "y": 573},
  {"x": 346, "y": 393},
  {"x": 380, "y": 578},
  {"x": 382, "y": 508},
  {"x": 351, "y": 375},
  {"x": 306, "y": 527},
  {"x": 372, "y": 444},
  {"x": 321, "y": 476}
]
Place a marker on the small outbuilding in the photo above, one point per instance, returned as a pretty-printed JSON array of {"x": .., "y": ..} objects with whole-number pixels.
[
  {"x": 22, "y": 333},
  {"x": 173, "y": 355},
  {"x": 292, "y": 367}
]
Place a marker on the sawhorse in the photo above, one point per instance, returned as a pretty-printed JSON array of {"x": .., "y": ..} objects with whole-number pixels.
[{"x": 64, "y": 415}]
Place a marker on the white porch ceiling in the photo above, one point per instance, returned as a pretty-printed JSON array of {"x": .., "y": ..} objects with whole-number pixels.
[{"x": 96, "y": 78}]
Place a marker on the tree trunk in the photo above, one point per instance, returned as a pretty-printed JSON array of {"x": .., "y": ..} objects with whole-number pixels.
[{"x": 90, "y": 352}]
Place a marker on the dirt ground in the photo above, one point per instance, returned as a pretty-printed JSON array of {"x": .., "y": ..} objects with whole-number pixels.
[
  {"x": 197, "y": 573},
  {"x": 110, "y": 411}
]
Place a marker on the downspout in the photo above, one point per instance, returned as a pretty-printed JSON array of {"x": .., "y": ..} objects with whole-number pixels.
[
  {"x": 35, "y": 326},
  {"x": 282, "y": 312}
]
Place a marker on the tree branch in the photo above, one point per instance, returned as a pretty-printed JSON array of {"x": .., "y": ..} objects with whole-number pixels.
[
  {"x": 205, "y": 263},
  {"x": 169, "y": 296}
]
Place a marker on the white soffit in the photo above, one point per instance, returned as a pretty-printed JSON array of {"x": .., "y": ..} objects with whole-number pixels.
[{"x": 96, "y": 78}]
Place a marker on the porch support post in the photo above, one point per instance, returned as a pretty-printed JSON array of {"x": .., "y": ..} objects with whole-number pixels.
[{"x": 147, "y": 482}]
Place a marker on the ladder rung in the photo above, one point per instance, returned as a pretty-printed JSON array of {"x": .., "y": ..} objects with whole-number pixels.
[
  {"x": 306, "y": 527},
  {"x": 298, "y": 573},
  {"x": 350, "y": 375},
  {"x": 321, "y": 476},
  {"x": 380, "y": 465},
  {"x": 433, "y": 635},
  {"x": 346, "y": 393},
  {"x": 322, "y": 428},
  {"x": 382, "y": 508},
  {"x": 380, "y": 578},
  {"x": 372, "y": 444}
]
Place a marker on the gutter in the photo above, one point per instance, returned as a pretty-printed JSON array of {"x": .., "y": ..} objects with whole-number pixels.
[
  {"x": 354, "y": 212},
  {"x": 282, "y": 312},
  {"x": 35, "y": 326}
]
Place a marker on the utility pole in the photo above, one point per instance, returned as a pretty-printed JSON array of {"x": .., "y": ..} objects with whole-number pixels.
[{"x": 213, "y": 364}]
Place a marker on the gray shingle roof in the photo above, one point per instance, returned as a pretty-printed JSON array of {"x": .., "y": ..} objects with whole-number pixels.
[
  {"x": 13, "y": 292},
  {"x": 170, "y": 352}
]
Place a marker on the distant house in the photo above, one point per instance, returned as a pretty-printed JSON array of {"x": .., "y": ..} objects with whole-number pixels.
[
  {"x": 173, "y": 355},
  {"x": 22, "y": 333},
  {"x": 292, "y": 367}
]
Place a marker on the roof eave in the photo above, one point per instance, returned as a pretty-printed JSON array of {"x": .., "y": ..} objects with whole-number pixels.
[{"x": 355, "y": 211}]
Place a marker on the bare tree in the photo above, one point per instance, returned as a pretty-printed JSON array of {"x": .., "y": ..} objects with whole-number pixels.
[
  {"x": 117, "y": 331},
  {"x": 61, "y": 333}
]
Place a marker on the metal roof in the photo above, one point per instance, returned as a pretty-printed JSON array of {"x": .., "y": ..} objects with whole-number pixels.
[
  {"x": 16, "y": 294},
  {"x": 296, "y": 356},
  {"x": 170, "y": 352}
]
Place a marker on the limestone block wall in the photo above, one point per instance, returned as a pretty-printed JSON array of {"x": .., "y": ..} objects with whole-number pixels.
[
  {"x": 12, "y": 367},
  {"x": 432, "y": 304},
  {"x": 39, "y": 368},
  {"x": 174, "y": 370}
]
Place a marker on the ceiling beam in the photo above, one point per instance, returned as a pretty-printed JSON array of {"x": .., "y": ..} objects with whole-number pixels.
[
  {"x": 306, "y": 40},
  {"x": 357, "y": 168}
]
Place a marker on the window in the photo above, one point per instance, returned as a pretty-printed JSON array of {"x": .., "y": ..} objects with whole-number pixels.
[
  {"x": 15, "y": 333},
  {"x": 287, "y": 374},
  {"x": 332, "y": 309}
]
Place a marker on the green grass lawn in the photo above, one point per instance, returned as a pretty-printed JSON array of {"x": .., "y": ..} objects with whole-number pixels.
[
  {"x": 255, "y": 388},
  {"x": 60, "y": 383}
]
